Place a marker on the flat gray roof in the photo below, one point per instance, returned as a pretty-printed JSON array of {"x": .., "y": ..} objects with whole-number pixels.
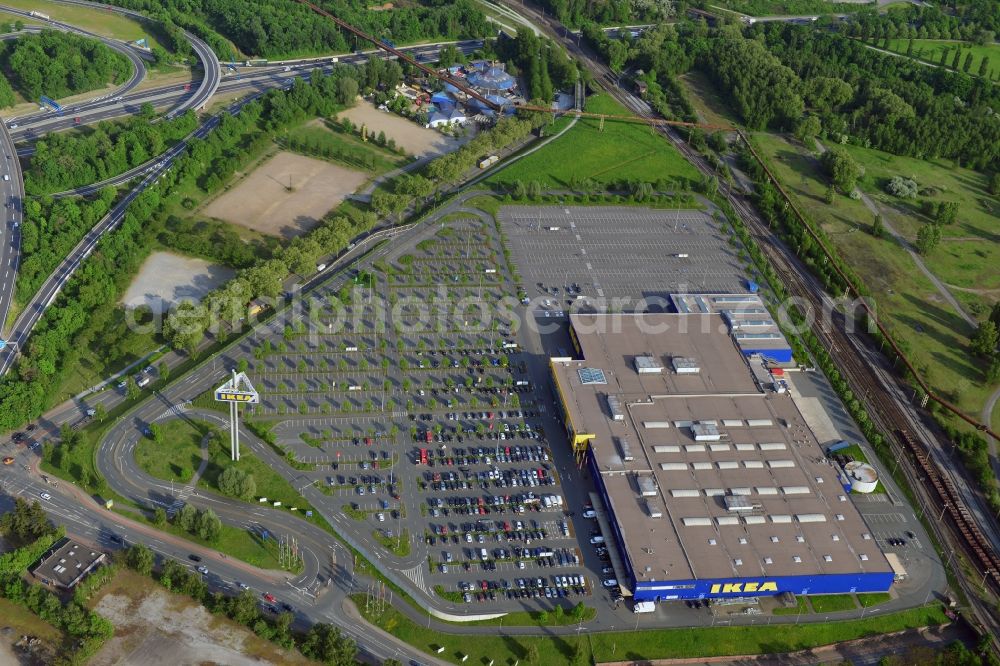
[
  {"x": 700, "y": 438},
  {"x": 66, "y": 564}
]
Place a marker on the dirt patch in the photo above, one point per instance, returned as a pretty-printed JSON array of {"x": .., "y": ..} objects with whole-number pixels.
[
  {"x": 408, "y": 135},
  {"x": 166, "y": 278},
  {"x": 263, "y": 202},
  {"x": 165, "y": 629}
]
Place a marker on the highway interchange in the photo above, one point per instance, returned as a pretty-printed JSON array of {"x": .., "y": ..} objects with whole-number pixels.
[{"x": 318, "y": 592}]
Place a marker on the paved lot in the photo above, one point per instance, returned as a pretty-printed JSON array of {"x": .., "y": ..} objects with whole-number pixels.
[{"x": 618, "y": 252}]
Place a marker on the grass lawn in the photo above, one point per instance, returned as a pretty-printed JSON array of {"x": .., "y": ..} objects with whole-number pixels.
[
  {"x": 347, "y": 146},
  {"x": 709, "y": 103},
  {"x": 270, "y": 484},
  {"x": 622, "y": 151},
  {"x": 800, "y": 607},
  {"x": 921, "y": 321},
  {"x": 24, "y": 622},
  {"x": 101, "y": 22},
  {"x": 178, "y": 457},
  {"x": 869, "y": 599},
  {"x": 645, "y": 645},
  {"x": 832, "y": 603},
  {"x": 234, "y": 542},
  {"x": 396, "y": 545},
  {"x": 929, "y": 50}
]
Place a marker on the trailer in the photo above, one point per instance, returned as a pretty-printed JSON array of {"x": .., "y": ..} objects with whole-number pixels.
[
  {"x": 644, "y": 607},
  {"x": 39, "y": 15}
]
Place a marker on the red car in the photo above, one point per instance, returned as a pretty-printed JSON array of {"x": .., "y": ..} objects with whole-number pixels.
[
  {"x": 77, "y": 120},
  {"x": 268, "y": 597}
]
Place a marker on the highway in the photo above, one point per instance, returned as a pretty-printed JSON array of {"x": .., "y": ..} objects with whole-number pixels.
[{"x": 12, "y": 191}]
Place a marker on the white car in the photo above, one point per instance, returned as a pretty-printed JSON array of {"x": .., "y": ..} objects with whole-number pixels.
[
  {"x": 203, "y": 570},
  {"x": 590, "y": 513},
  {"x": 242, "y": 586},
  {"x": 596, "y": 539},
  {"x": 381, "y": 517},
  {"x": 45, "y": 496},
  {"x": 610, "y": 582}
]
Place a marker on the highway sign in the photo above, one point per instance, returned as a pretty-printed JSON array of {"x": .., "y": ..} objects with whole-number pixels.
[{"x": 233, "y": 396}]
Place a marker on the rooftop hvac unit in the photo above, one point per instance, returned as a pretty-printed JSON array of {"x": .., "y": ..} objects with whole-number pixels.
[
  {"x": 625, "y": 449},
  {"x": 684, "y": 365},
  {"x": 739, "y": 503},
  {"x": 647, "y": 365},
  {"x": 615, "y": 407},
  {"x": 705, "y": 433},
  {"x": 647, "y": 486}
]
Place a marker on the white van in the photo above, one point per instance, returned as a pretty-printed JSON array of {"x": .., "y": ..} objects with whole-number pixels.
[{"x": 644, "y": 607}]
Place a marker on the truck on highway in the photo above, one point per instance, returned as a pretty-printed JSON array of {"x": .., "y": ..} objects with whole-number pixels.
[{"x": 39, "y": 15}]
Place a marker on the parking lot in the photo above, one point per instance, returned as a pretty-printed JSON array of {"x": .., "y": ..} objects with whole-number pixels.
[
  {"x": 570, "y": 254},
  {"x": 405, "y": 399}
]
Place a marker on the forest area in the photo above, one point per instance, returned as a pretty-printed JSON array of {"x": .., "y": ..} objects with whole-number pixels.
[
  {"x": 544, "y": 66},
  {"x": 65, "y": 160},
  {"x": 57, "y": 64},
  {"x": 282, "y": 29}
]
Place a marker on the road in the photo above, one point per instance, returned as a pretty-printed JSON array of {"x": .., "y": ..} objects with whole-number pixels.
[{"x": 12, "y": 190}]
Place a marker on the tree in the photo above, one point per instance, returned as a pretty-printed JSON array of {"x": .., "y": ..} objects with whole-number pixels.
[
  {"x": 984, "y": 341},
  {"x": 994, "y": 186},
  {"x": 209, "y": 526},
  {"x": 187, "y": 518},
  {"x": 131, "y": 388},
  {"x": 139, "y": 558},
  {"x": 237, "y": 483},
  {"x": 325, "y": 643},
  {"x": 843, "y": 170},
  {"x": 967, "y": 65},
  {"x": 27, "y": 522},
  {"x": 163, "y": 370},
  {"x": 100, "y": 412},
  {"x": 532, "y": 656},
  {"x": 993, "y": 370},
  {"x": 807, "y": 129},
  {"x": 159, "y": 517},
  {"x": 904, "y": 188},
  {"x": 156, "y": 432},
  {"x": 878, "y": 227},
  {"x": 984, "y": 65},
  {"x": 957, "y": 58},
  {"x": 928, "y": 238}
]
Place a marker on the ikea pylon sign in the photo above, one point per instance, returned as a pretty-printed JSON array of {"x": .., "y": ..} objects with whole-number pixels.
[{"x": 222, "y": 395}]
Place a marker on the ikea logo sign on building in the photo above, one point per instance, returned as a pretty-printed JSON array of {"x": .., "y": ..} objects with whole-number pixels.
[{"x": 745, "y": 587}]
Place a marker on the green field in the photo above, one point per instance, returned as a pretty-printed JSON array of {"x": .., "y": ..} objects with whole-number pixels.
[
  {"x": 645, "y": 645},
  {"x": 23, "y": 622},
  {"x": 178, "y": 457},
  {"x": 709, "y": 103},
  {"x": 832, "y": 603},
  {"x": 97, "y": 21},
  {"x": 929, "y": 50},
  {"x": 869, "y": 599},
  {"x": 269, "y": 483},
  {"x": 933, "y": 334},
  {"x": 621, "y": 151},
  {"x": 346, "y": 145}
]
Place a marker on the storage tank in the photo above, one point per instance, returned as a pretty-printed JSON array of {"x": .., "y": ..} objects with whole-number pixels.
[{"x": 863, "y": 477}]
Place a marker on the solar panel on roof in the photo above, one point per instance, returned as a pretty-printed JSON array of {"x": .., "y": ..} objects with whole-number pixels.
[{"x": 592, "y": 376}]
